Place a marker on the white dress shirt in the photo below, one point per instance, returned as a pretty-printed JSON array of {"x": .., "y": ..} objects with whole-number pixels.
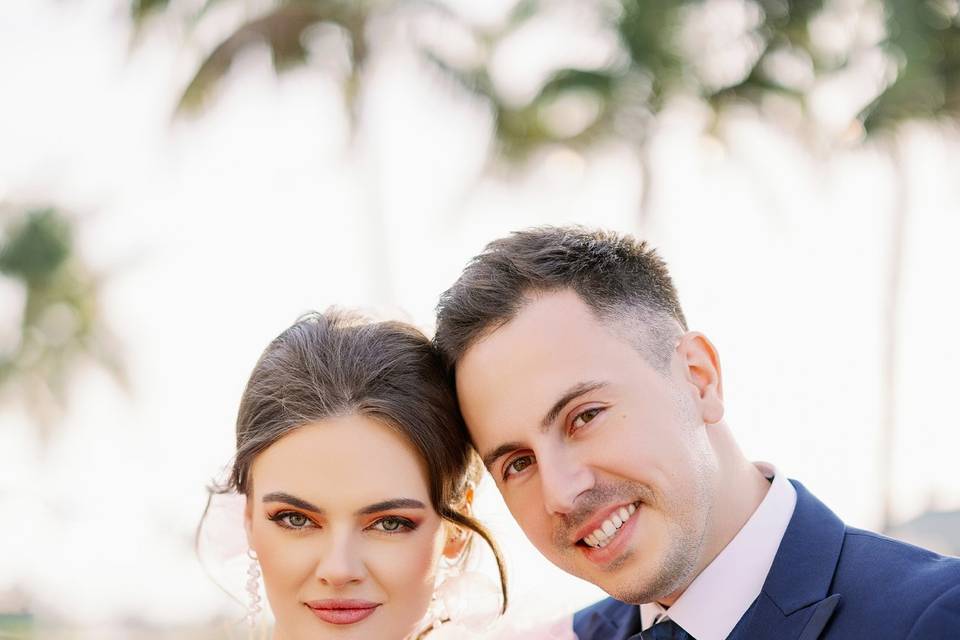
[{"x": 715, "y": 601}]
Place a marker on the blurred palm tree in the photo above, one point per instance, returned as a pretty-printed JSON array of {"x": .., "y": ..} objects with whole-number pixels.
[
  {"x": 285, "y": 28},
  {"x": 923, "y": 38},
  {"x": 721, "y": 52},
  {"x": 59, "y": 324},
  {"x": 775, "y": 57}
]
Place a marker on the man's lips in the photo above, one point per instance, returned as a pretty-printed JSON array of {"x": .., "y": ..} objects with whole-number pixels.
[
  {"x": 342, "y": 611},
  {"x": 598, "y": 519}
]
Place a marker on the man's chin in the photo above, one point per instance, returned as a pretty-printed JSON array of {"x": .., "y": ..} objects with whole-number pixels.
[
  {"x": 637, "y": 589},
  {"x": 622, "y": 577},
  {"x": 630, "y": 577},
  {"x": 639, "y": 583}
]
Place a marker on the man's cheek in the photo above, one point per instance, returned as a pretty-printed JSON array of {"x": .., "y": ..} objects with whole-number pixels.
[{"x": 530, "y": 516}]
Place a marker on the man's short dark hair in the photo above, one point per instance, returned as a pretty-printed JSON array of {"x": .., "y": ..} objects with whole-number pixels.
[{"x": 623, "y": 281}]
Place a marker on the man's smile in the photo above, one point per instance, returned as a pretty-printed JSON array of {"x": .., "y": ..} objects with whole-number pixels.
[{"x": 608, "y": 528}]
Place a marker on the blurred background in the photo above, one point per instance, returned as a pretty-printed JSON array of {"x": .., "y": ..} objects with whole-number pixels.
[{"x": 180, "y": 179}]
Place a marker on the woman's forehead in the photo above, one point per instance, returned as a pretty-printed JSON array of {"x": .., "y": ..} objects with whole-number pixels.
[{"x": 342, "y": 461}]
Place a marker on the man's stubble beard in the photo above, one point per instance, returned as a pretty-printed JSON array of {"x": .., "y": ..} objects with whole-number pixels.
[
  {"x": 688, "y": 521},
  {"x": 685, "y": 538},
  {"x": 688, "y": 518}
]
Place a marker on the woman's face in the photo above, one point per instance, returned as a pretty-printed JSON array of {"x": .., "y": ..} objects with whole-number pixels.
[{"x": 341, "y": 520}]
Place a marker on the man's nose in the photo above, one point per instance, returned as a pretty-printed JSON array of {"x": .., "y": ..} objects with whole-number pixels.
[
  {"x": 340, "y": 563},
  {"x": 563, "y": 477}
]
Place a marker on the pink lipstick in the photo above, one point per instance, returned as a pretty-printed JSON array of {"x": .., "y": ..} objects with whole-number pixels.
[{"x": 342, "y": 611}]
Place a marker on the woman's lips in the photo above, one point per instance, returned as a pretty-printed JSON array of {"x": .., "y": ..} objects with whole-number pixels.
[{"x": 342, "y": 611}]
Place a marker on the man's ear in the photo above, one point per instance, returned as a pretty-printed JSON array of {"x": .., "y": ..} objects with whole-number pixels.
[{"x": 701, "y": 369}]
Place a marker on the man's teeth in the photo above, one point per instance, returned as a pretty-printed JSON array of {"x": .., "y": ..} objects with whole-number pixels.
[{"x": 602, "y": 536}]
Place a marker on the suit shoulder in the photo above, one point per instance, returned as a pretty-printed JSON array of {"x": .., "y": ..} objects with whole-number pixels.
[
  {"x": 906, "y": 569},
  {"x": 941, "y": 620},
  {"x": 887, "y": 587}
]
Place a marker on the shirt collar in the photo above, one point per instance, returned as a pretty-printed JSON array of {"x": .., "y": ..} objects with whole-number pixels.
[{"x": 715, "y": 601}]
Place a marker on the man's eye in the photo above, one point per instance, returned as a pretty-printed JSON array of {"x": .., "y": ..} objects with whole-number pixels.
[
  {"x": 584, "y": 417},
  {"x": 393, "y": 524},
  {"x": 516, "y": 466}
]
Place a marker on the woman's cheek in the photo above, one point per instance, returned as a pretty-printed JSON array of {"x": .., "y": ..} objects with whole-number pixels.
[
  {"x": 408, "y": 572},
  {"x": 283, "y": 563}
]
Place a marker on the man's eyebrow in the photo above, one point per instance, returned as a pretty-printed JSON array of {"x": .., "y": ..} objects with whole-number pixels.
[
  {"x": 280, "y": 496},
  {"x": 505, "y": 448},
  {"x": 387, "y": 505},
  {"x": 572, "y": 393}
]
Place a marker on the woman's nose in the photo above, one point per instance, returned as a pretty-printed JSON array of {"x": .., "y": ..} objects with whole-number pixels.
[{"x": 340, "y": 563}]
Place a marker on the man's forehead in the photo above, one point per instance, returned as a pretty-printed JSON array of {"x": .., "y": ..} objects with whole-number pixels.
[
  {"x": 544, "y": 322},
  {"x": 512, "y": 378},
  {"x": 509, "y": 393}
]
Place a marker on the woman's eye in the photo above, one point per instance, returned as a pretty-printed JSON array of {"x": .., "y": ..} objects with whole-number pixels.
[
  {"x": 517, "y": 465},
  {"x": 297, "y": 520},
  {"x": 292, "y": 520},
  {"x": 584, "y": 417},
  {"x": 393, "y": 524}
]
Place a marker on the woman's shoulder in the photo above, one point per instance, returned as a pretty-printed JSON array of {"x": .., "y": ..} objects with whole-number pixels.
[
  {"x": 507, "y": 629},
  {"x": 557, "y": 629}
]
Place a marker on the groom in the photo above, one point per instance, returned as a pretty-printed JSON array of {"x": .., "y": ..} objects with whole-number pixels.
[{"x": 600, "y": 417}]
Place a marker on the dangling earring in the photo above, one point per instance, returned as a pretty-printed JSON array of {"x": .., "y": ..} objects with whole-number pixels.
[
  {"x": 253, "y": 588},
  {"x": 465, "y": 603},
  {"x": 470, "y": 600},
  {"x": 454, "y": 613}
]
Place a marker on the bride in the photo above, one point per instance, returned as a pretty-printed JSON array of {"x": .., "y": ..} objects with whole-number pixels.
[{"x": 357, "y": 476}]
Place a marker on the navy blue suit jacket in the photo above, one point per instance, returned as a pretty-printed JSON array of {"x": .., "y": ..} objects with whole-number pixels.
[{"x": 828, "y": 582}]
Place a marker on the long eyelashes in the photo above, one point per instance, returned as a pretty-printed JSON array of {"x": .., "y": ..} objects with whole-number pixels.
[
  {"x": 393, "y": 524},
  {"x": 291, "y": 520},
  {"x": 296, "y": 521}
]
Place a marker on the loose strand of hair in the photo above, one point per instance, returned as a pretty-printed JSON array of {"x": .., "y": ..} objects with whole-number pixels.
[{"x": 467, "y": 522}]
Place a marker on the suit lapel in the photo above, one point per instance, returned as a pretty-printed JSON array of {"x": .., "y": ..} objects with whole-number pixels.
[
  {"x": 795, "y": 603},
  {"x": 821, "y": 615},
  {"x": 764, "y": 620}
]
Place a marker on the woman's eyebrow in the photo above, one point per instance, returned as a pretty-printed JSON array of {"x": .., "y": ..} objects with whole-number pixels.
[
  {"x": 280, "y": 496},
  {"x": 387, "y": 505}
]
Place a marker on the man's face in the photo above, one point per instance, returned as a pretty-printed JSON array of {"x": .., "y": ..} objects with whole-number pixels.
[{"x": 604, "y": 461}]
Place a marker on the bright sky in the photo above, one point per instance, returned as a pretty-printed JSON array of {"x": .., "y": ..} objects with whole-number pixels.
[{"x": 215, "y": 234}]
